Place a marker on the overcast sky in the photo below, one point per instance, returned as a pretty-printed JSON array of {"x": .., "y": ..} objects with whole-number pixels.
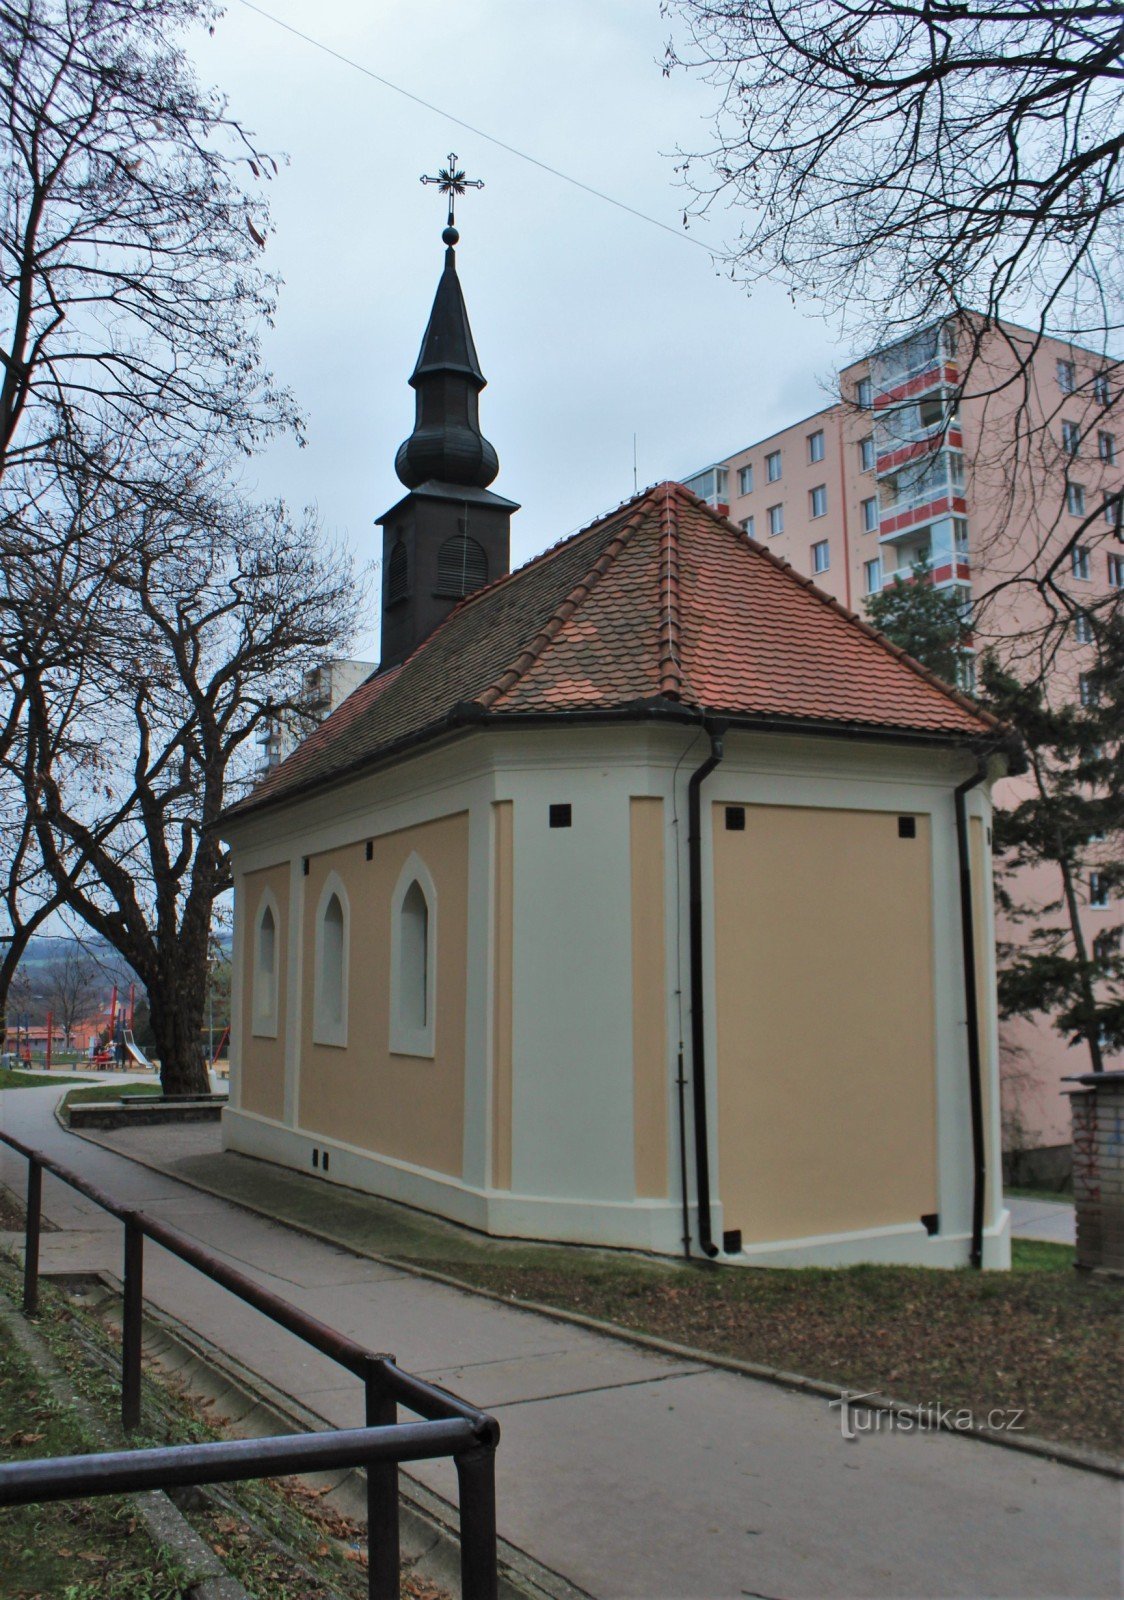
[{"x": 591, "y": 325}]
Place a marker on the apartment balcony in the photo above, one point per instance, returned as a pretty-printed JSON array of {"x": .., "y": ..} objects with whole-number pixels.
[
  {"x": 899, "y": 524},
  {"x": 914, "y": 366},
  {"x": 897, "y": 454},
  {"x": 912, "y": 386},
  {"x": 943, "y": 571}
]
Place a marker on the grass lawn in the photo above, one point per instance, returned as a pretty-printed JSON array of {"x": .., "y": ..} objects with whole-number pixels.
[
  {"x": 80, "y": 1549},
  {"x": 107, "y": 1091},
  {"x": 1052, "y": 1196},
  {"x": 1042, "y": 1338},
  {"x": 278, "y": 1539},
  {"x": 12, "y": 1078}
]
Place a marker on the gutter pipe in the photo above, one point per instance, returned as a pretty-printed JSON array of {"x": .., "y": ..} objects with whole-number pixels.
[
  {"x": 698, "y": 1030},
  {"x": 971, "y": 999}
]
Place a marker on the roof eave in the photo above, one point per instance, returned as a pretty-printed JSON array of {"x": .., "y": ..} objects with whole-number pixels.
[{"x": 468, "y": 717}]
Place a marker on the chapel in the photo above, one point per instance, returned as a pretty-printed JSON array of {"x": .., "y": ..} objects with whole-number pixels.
[{"x": 641, "y": 897}]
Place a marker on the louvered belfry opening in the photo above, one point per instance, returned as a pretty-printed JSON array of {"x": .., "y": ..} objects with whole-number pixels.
[
  {"x": 398, "y": 574},
  {"x": 462, "y": 565}
]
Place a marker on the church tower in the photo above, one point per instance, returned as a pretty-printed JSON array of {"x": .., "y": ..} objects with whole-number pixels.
[{"x": 450, "y": 534}]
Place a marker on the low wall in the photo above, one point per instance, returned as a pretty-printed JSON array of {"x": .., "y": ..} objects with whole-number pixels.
[{"x": 149, "y": 1111}]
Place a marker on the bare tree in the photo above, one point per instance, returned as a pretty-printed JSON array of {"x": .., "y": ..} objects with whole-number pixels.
[
  {"x": 915, "y": 165},
  {"x": 901, "y": 159},
  {"x": 129, "y": 247},
  {"x": 69, "y": 983},
  {"x": 208, "y": 613},
  {"x": 49, "y": 604},
  {"x": 147, "y": 617}
]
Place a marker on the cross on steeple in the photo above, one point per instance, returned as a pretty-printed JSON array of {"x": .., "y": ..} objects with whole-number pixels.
[{"x": 451, "y": 180}]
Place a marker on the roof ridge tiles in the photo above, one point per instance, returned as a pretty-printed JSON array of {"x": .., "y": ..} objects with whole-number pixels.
[
  {"x": 552, "y": 627},
  {"x": 964, "y": 701},
  {"x": 672, "y": 681}
]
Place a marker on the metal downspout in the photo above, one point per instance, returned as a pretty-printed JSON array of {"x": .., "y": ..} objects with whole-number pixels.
[
  {"x": 698, "y": 1031},
  {"x": 971, "y": 998}
]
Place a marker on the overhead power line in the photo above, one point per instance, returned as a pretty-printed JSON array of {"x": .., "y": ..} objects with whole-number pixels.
[{"x": 479, "y": 133}]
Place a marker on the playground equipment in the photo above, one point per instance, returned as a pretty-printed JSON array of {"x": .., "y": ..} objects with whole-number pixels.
[{"x": 135, "y": 1053}]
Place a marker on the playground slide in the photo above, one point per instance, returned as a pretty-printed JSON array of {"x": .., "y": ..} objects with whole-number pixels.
[{"x": 136, "y": 1054}]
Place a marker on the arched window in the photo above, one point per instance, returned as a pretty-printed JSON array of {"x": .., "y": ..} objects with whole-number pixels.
[
  {"x": 412, "y": 959},
  {"x": 397, "y": 574},
  {"x": 462, "y": 565},
  {"x": 329, "y": 1011},
  {"x": 266, "y": 962},
  {"x": 415, "y": 956}
]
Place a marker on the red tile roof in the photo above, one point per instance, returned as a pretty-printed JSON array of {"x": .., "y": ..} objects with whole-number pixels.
[{"x": 662, "y": 601}]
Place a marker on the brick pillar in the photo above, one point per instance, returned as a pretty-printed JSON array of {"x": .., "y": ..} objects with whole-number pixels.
[{"x": 1097, "y": 1108}]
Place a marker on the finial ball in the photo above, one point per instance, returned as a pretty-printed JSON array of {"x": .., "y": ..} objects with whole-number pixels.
[{"x": 450, "y": 236}]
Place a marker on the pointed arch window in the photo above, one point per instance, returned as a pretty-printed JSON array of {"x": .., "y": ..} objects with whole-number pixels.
[
  {"x": 462, "y": 565},
  {"x": 329, "y": 1006},
  {"x": 413, "y": 977},
  {"x": 397, "y": 574},
  {"x": 266, "y": 968}
]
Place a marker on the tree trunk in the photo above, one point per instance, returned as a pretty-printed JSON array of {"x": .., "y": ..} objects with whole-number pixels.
[{"x": 176, "y": 1023}]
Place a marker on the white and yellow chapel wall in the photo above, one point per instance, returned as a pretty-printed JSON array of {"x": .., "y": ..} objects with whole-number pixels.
[{"x": 543, "y": 1102}]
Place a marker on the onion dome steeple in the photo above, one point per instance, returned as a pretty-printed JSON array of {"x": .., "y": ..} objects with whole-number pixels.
[
  {"x": 450, "y": 533},
  {"x": 446, "y": 443}
]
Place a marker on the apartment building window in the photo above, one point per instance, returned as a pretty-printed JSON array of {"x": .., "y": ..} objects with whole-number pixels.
[
  {"x": 1101, "y": 392},
  {"x": 1067, "y": 377},
  {"x": 815, "y": 445},
  {"x": 866, "y": 453},
  {"x": 864, "y": 393},
  {"x": 1083, "y": 628},
  {"x": 1098, "y": 889},
  {"x": 1087, "y": 690},
  {"x": 773, "y": 466},
  {"x": 1106, "y": 447},
  {"x": 1079, "y": 561},
  {"x": 817, "y": 500},
  {"x": 1071, "y": 438},
  {"x": 821, "y": 556},
  {"x": 775, "y": 515},
  {"x": 1116, "y": 571},
  {"x": 960, "y": 535},
  {"x": 966, "y": 674},
  {"x": 1075, "y": 499},
  {"x": 746, "y": 525},
  {"x": 745, "y": 480},
  {"x": 872, "y": 575},
  {"x": 870, "y": 514},
  {"x": 1114, "y": 513}
]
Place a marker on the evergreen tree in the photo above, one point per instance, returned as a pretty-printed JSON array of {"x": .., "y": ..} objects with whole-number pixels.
[
  {"x": 1072, "y": 818},
  {"x": 929, "y": 624}
]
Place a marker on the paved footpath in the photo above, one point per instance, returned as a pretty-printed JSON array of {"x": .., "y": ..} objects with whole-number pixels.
[
  {"x": 1052, "y": 1220},
  {"x": 630, "y": 1473}
]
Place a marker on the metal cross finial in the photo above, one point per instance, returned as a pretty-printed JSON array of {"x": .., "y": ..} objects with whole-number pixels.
[{"x": 451, "y": 180}]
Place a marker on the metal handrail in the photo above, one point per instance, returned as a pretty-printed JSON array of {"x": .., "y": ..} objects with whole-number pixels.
[
  {"x": 470, "y": 1435},
  {"x": 226, "y": 1461}
]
